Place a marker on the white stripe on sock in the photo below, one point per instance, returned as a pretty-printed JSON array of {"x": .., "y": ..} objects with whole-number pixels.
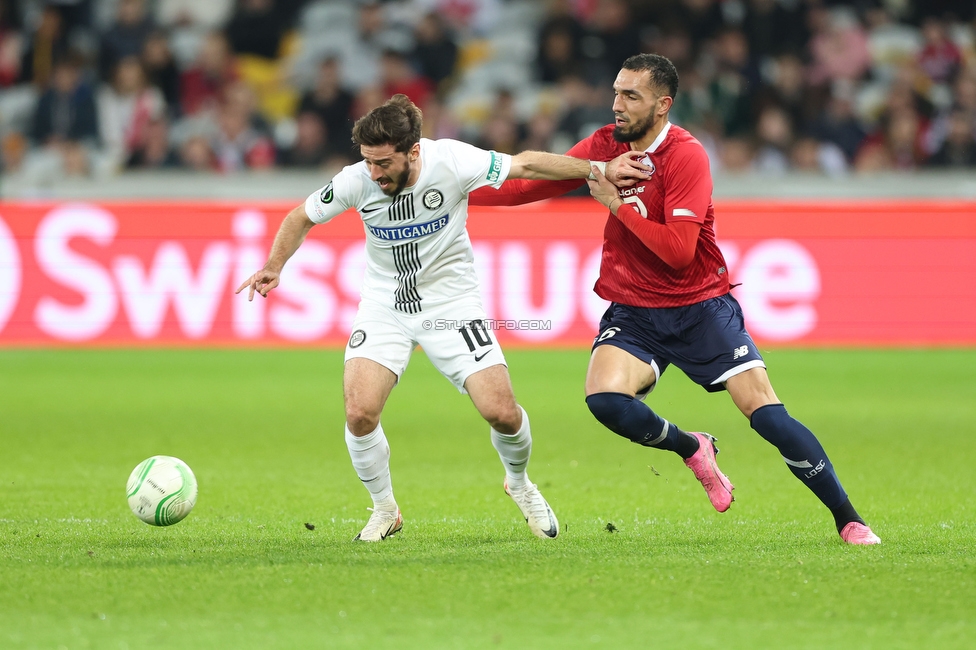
[
  {"x": 803, "y": 464},
  {"x": 660, "y": 438}
]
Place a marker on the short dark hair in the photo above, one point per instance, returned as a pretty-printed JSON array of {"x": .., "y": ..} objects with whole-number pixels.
[
  {"x": 397, "y": 122},
  {"x": 663, "y": 74}
]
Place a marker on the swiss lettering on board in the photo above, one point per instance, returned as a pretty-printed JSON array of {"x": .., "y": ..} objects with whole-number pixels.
[
  {"x": 82, "y": 275},
  {"x": 153, "y": 273}
]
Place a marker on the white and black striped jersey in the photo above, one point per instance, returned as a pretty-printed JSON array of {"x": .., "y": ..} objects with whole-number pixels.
[{"x": 417, "y": 249}]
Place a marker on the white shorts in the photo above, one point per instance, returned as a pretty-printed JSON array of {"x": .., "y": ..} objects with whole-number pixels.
[{"x": 451, "y": 335}]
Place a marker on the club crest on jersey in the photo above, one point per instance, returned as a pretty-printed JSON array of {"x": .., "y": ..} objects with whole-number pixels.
[
  {"x": 646, "y": 160},
  {"x": 326, "y": 195},
  {"x": 433, "y": 199},
  {"x": 357, "y": 338}
]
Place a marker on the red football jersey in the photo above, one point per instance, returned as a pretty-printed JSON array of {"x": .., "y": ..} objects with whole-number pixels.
[{"x": 679, "y": 189}]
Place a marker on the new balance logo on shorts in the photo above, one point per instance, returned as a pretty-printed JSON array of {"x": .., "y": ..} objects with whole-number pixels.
[
  {"x": 608, "y": 333},
  {"x": 740, "y": 352}
]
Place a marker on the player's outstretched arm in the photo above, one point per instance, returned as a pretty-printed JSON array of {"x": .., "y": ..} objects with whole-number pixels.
[
  {"x": 290, "y": 236},
  {"x": 542, "y": 166},
  {"x": 625, "y": 170}
]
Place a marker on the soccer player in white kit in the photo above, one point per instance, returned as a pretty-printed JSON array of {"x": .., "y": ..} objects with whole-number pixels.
[{"x": 412, "y": 195}]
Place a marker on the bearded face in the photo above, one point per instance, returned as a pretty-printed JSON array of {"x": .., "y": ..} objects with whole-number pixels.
[
  {"x": 388, "y": 168},
  {"x": 635, "y": 105},
  {"x": 632, "y": 128}
]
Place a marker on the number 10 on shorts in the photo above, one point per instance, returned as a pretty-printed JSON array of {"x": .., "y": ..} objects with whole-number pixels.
[{"x": 475, "y": 335}]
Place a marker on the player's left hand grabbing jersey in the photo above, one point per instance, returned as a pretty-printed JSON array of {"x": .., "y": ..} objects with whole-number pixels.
[{"x": 417, "y": 249}]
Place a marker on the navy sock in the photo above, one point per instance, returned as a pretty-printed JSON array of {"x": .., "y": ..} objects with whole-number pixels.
[
  {"x": 845, "y": 514},
  {"x": 802, "y": 452},
  {"x": 629, "y": 417}
]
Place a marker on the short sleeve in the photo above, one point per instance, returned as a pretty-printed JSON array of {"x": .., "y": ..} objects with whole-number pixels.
[
  {"x": 478, "y": 167},
  {"x": 332, "y": 200},
  {"x": 688, "y": 191}
]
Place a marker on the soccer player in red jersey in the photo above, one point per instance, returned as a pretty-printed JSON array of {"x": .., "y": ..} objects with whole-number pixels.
[{"x": 671, "y": 300}]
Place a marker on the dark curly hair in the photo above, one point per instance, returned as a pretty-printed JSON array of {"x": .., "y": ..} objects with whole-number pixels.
[{"x": 397, "y": 122}]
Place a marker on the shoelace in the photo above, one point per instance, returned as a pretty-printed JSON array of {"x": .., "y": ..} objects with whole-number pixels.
[
  {"x": 375, "y": 523},
  {"x": 537, "y": 506}
]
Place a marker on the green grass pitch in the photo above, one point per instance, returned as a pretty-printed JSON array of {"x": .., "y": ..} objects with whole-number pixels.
[{"x": 263, "y": 432}]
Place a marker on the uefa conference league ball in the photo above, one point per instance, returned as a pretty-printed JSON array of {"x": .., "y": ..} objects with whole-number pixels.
[{"x": 161, "y": 490}]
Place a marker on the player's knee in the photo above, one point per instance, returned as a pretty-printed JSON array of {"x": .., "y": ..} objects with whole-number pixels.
[
  {"x": 503, "y": 418},
  {"x": 611, "y": 410},
  {"x": 361, "y": 421},
  {"x": 753, "y": 403}
]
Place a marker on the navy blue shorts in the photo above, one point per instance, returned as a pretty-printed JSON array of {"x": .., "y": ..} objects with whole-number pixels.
[{"x": 708, "y": 341}]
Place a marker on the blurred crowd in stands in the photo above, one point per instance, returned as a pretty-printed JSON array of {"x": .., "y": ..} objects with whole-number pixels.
[{"x": 97, "y": 87}]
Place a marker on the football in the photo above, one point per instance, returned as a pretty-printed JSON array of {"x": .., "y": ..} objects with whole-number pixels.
[{"x": 162, "y": 490}]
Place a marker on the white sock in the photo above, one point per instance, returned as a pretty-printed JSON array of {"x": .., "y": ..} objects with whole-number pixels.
[
  {"x": 370, "y": 456},
  {"x": 514, "y": 450}
]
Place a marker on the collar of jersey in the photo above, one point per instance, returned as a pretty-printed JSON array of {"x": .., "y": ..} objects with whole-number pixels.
[{"x": 659, "y": 139}]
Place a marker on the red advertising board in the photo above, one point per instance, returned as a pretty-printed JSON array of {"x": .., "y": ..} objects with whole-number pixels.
[{"x": 880, "y": 273}]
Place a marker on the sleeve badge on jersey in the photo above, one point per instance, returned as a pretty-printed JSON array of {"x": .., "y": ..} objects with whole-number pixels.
[
  {"x": 357, "y": 338},
  {"x": 326, "y": 195},
  {"x": 494, "y": 168},
  {"x": 433, "y": 199}
]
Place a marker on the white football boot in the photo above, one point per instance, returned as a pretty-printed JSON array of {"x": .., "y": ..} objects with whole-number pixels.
[
  {"x": 381, "y": 524},
  {"x": 538, "y": 515}
]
